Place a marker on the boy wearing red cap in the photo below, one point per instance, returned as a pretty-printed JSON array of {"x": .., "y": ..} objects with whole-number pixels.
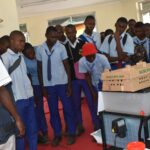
[{"x": 92, "y": 65}]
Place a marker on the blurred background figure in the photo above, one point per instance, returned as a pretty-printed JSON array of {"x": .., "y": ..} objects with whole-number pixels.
[{"x": 131, "y": 24}]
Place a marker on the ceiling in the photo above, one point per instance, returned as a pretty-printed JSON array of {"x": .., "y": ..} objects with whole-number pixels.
[{"x": 32, "y": 7}]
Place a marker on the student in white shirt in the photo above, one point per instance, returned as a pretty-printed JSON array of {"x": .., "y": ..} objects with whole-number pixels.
[
  {"x": 89, "y": 35},
  {"x": 7, "y": 111},
  {"x": 22, "y": 89},
  {"x": 54, "y": 76},
  {"x": 141, "y": 40},
  {"x": 118, "y": 47}
]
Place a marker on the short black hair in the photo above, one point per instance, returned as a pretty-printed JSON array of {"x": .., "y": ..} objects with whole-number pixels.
[
  {"x": 122, "y": 19},
  {"x": 89, "y": 17},
  {"x": 147, "y": 25},
  {"x": 139, "y": 25},
  {"x": 108, "y": 31},
  {"x": 131, "y": 20},
  {"x": 70, "y": 26},
  {"x": 16, "y": 33},
  {"x": 4, "y": 39},
  {"x": 26, "y": 46},
  {"x": 50, "y": 29}
]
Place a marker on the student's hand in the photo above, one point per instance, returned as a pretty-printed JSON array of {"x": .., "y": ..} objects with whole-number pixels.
[
  {"x": 20, "y": 127},
  {"x": 117, "y": 36},
  {"x": 69, "y": 90}
]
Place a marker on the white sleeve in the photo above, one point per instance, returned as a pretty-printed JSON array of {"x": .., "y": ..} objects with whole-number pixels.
[
  {"x": 105, "y": 47},
  {"x": 63, "y": 53},
  {"x": 106, "y": 63},
  {"x": 4, "y": 76},
  {"x": 98, "y": 40},
  {"x": 82, "y": 67},
  {"x": 129, "y": 45},
  {"x": 38, "y": 53}
]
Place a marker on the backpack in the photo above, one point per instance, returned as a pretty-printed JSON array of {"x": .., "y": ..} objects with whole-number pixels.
[
  {"x": 7, "y": 123},
  {"x": 140, "y": 54}
]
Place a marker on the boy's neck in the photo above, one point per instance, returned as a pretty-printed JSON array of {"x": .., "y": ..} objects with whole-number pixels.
[
  {"x": 14, "y": 50},
  {"x": 50, "y": 45},
  {"x": 73, "y": 40},
  {"x": 141, "y": 38},
  {"x": 88, "y": 32}
]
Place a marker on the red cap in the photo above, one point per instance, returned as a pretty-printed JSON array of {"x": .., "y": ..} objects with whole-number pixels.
[{"x": 88, "y": 49}]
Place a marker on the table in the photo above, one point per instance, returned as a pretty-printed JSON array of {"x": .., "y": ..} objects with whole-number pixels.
[{"x": 112, "y": 105}]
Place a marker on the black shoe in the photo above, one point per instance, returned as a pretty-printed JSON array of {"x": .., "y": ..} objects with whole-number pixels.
[
  {"x": 56, "y": 141},
  {"x": 80, "y": 130},
  {"x": 70, "y": 140},
  {"x": 43, "y": 139}
]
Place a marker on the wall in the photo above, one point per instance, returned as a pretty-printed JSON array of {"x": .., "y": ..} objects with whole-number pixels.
[
  {"x": 8, "y": 13},
  {"x": 106, "y": 15}
]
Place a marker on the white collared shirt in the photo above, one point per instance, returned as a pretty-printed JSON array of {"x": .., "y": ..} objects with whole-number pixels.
[
  {"x": 95, "y": 68},
  {"x": 4, "y": 76},
  {"x": 21, "y": 84},
  {"x": 94, "y": 38},
  {"x": 110, "y": 48},
  {"x": 73, "y": 45},
  {"x": 58, "y": 71}
]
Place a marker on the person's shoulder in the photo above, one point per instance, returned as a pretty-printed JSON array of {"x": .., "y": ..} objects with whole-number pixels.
[
  {"x": 8, "y": 53},
  {"x": 129, "y": 36},
  {"x": 82, "y": 60},
  {"x": 101, "y": 57}
]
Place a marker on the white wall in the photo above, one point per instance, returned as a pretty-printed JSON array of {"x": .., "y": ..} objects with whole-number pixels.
[
  {"x": 8, "y": 13},
  {"x": 106, "y": 15}
]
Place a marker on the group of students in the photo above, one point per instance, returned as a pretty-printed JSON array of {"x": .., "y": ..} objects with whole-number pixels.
[{"x": 60, "y": 69}]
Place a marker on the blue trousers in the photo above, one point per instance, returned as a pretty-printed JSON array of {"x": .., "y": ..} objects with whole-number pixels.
[
  {"x": 25, "y": 108},
  {"x": 78, "y": 86},
  {"x": 54, "y": 93},
  {"x": 39, "y": 109}
]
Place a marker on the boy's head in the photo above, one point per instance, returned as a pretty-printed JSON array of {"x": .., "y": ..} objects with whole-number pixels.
[
  {"x": 51, "y": 35},
  {"x": 89, "y": 50},
  {"x": 121, "y": 25},
  {"x": 131, "y": 24},
  {"x": 4, "y": 44},
  {"x": 147, "y": 29},
  {"x": 108, "y": 32},
  {"x": 60, "y": 31},
  {"x": 29, "y": 51},
  {"x": 17, "y": 41},
  {"x": 139, "y": 30},
  {"x": 89, "y": 23},
  {"x": 71, "y": 32}
]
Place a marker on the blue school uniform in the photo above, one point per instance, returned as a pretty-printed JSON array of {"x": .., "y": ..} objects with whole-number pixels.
[
  {"x": 94, "y": 38},
  {"x": 39, "y": 109},
  {"x": 95, "y": 69},
  {"x": 73, "y": 51},
  {"x": 23, "y": 95},
  {"x": 110, "y": 48},
  {"x": 57, "y": 85}
]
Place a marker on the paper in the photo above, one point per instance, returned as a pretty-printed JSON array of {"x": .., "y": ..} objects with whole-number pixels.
[
  {"x": 97, "y": 136},
  {"x": 4, "y": 76}
]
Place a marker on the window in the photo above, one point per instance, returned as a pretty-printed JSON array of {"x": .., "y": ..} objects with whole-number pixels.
[
  {"x": 77, "y": 20},
  {"x": 23, "y": 28},
  {"x": 145, "y": 11}
]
